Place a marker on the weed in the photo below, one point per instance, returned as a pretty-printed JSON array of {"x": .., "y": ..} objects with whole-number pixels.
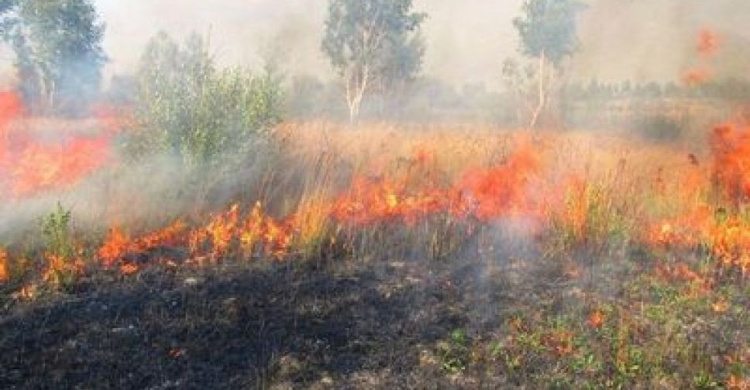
[
  {"x": 63, "y": 260},
  {"x": 455, "y": 353}
]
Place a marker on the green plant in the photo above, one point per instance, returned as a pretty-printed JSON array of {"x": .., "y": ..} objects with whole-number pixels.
[
  {"x": 590, "y": 218},
  {"x": 455, "y": 353},
  {"x": 60, "y": 252},
  {"x": 56, "y": 230},
  {"x": 58, "y": 47},
  {"x": 188, "y": 108},
  {"x": 704, "y": 380}
]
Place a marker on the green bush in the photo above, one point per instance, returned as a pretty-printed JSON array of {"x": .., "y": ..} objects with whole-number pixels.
[{"x": 188, "y": 108}]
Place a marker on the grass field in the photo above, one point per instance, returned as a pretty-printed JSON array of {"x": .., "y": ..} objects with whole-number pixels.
[{"x": 393, "y": 256}]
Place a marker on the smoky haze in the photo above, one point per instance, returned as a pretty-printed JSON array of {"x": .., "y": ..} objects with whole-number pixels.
[
  {"x": 655, "y": 40},
  {"x": 467, "y": 40}
]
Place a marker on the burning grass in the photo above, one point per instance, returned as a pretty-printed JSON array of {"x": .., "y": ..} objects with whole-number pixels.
[
  {"x": 620, "y": 263},
  {"x": 30, "y": 165}
]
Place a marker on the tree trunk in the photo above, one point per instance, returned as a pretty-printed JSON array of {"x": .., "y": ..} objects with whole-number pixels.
[
  {"x": 351, "y": 97},
  {"x": 356, "y": 86},
  {"x": 542, "y": 95}
]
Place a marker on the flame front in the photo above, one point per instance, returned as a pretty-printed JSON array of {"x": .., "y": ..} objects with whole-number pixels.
[{"x": 29, "y": 167}]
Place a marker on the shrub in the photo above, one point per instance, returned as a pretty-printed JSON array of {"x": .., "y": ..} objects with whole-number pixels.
[{"x": 188, "y": 108}]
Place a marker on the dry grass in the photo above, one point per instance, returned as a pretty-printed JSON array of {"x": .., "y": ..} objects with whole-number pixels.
[{"x": 619, "y": 263}]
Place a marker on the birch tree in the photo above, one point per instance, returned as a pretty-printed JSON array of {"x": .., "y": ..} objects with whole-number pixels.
[
  {"x": 548, "y": 33},
  {"x": 372, "y": 43}
]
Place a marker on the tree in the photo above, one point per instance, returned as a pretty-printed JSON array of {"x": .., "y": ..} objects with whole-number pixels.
[
  {"x": 58, "y": 51},
  {"x": 519, "y": 82},
  {"x": 188, "y": 108},
  {"x": 5, "y": 7},
  {"x": 548, "y": 33},
  {"x": 373, "y": 43}
]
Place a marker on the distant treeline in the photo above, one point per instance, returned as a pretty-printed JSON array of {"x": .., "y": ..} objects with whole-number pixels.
[
  {"x": 722, "y": 89},
  {"x": 431, "y": 99}
]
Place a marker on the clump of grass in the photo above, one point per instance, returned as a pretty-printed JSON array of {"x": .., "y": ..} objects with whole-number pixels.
[
  {"x": 455, "y": 353},
  {"x": 62, "y": 255},
  {"x": 589, "y": 219}
]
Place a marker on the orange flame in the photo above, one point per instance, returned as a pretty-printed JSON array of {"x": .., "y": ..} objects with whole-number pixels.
[
  {"x": 707, "y": 43},
  {"x": 483, "y": 193},
  {"x": 118, "y": 244},
  {"x": 730, "y": 244},
  {"x": 501, "y": 190},
  {"x": 227, "y": 231},
  {"x": 40, "y": 168},
  {"x": 4, "y": 272},
  {"x": 28, "y": 167},
  {"x": 58, "y": 266},
  {"x": 383, "y": 200},
  {"x": 596, "y": 319},
  {"x": 696, "y": 76},
  {"x": 731, "y": 149}
]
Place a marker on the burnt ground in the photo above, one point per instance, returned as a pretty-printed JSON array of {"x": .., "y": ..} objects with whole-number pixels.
[{"x": 280, "y": 326}]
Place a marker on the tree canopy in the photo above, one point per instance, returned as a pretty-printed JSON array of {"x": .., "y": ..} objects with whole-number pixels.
[
  {"x": 548, "y": 33},
  {"x": 188, "y": 107},
  {"x": 548, "y": 28},
  {"x": 58, "y": 50},
  {"x": 373, "y": 43}
]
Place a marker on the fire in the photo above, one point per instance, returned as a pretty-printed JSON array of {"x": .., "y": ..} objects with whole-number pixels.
[
  {"x": 4, "y": 271},
  {"x": 278, "y": 237},
  {"x": 696, "y": 76},
  {"x": 374, "y": 201},
  {"x": 681, "y": 231},
  {"x": 722, "y": 230},
  {"x": 720, "y": 306},
  {"x": 707, "y": 43},
  {"x": 730, "y": 244},
  {"x": 28, "y": 166},
  {"x": 728, "y": 238},
  {"x": 118, "y": 244},
  {"x": 700, "y": 284},
  {"x": 423, "y": 190},
  {"x": 731, "y": 170},
  {"x": 503, "y": 189},
  {"x": 250, "y": 233},
  {"x": 484, "y": 194},
  {"x": 10, "y": 110},
  {"x": 481, "y": 194},
  {"x": 222, "y": 229},
  {"x": 60, "y": 267},
  {"x": 41, "y": 168},
  {"x": 228, "y": 232},
  {"x": 596, "y": 319},
  {"x": 736, "y": 382}
]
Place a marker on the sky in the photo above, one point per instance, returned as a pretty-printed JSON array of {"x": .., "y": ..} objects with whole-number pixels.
[
  {"x": 646, "y": 40},
  {"x": 467, "y": 40}
]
